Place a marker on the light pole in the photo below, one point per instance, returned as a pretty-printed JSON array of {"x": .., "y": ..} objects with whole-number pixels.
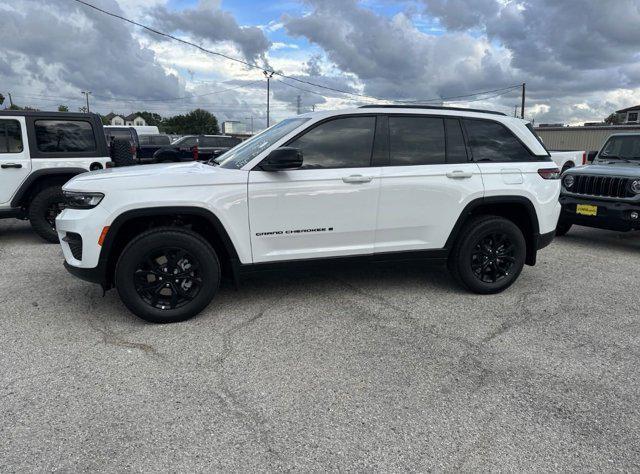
[
  {"x": 268, "y": 75},
  {"x": 86, "y": 94}
]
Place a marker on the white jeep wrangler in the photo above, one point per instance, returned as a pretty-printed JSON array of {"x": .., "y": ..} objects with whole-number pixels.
[
  {"x": 471, "y": 188},
  {"x": 39, "y": 152}
]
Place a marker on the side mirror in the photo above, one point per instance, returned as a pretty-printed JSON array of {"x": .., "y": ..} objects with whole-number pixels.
[{"x": 285, "y": 158}]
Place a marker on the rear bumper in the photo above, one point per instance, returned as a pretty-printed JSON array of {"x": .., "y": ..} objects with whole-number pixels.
[
  {"x": 543, "y": 240},
  {"x": 611, "y": 215}
]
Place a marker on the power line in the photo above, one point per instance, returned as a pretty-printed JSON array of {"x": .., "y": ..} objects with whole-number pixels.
[{"x": 217, "y": 53}]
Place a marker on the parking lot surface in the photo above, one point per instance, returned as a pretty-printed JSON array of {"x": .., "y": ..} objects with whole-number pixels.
[{"x": 362, "y": 368}]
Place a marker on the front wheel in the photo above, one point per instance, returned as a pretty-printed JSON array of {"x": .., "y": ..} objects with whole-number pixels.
[
  {"x": 43, "y": 210},
  {"x": 488, "y": 255},
  {"x": 167, "y": 275}
]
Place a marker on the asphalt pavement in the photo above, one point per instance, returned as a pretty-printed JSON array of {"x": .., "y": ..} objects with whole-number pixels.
[{"x": 389, "y": 368}]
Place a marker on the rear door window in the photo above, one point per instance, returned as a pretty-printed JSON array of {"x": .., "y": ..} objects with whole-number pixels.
[
  {"x": 64, "y": 136},
  {"x": 416, "y": 140},
  {"x": 492, "y": 141},
  {"x": 10, "y": 137}
]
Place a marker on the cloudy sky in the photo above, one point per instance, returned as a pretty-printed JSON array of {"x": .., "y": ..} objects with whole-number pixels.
[{"x": 579, "y": 58}]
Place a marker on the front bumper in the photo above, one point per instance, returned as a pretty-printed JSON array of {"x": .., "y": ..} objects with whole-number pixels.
[
  {"x": 92, "y": 275},
  {"x": 611, "y": 215}
]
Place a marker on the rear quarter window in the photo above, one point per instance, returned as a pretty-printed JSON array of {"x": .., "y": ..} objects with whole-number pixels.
[
  {"x": 492, "y": 141},
  {"x": 64, "y": 136}
]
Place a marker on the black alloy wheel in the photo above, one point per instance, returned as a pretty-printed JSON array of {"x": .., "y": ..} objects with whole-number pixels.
[
  {"x": 493, "y": 258},
  {"x": 167, "y": 274},
  {"x": 488, "y": 254},
  {"x": 168, "y": 278}
]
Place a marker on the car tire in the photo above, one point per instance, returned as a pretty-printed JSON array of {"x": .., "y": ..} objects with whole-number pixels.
[
  {"x": 120, "y": 152},
  {"x": 488, "y": 255},
  {"x": 43, "y": 209},
  {"x": 167, "y": 275},
  {"x": 562, "y": 228}
]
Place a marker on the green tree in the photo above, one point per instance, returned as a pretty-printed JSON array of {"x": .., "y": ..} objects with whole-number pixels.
[
  {"x": 63, "y": 108},
  {"x": 196, "y": 122},
  {"x": 613, "y": 119}
]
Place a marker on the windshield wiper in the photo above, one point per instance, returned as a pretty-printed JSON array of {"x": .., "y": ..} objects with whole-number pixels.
[{"x": 615, "y": 159}]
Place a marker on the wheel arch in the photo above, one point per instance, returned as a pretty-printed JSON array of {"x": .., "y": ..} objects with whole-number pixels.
[
  {"x": 36, "y": 180},
  {"x": 517, "y": 209},
  {"x": 133, "y": 222}
]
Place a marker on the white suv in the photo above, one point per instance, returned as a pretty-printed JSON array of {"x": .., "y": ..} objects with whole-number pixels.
[
  {"x": 472, "y": 188},
  {"x": 39, "y": 152}
]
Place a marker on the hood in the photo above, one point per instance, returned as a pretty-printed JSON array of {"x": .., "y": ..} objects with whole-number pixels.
[
  {"x": 628, "y": 170},
  {"x": 164, "y": 175}
]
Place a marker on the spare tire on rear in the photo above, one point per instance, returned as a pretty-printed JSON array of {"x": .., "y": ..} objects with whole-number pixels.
[{"x": 120, "y": 153}]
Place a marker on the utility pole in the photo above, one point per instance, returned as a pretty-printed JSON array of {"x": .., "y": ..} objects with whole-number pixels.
[
  {"x": 299, "y": 104},
  {"x": 268, "y": 75},
  {"x": 524, "y": 85},
  {"x": 86, "y": 94},
  {"x": 515, "y": 111},
  {"x": 10, "y": 100},
  {"x": 250, "y": 118}
]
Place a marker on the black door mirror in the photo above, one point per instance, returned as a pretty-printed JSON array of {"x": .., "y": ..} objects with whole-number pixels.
[{"x": 285, "y": 158}]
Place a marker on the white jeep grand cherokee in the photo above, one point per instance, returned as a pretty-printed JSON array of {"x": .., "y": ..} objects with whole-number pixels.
[{"x": 472, "y": 188}]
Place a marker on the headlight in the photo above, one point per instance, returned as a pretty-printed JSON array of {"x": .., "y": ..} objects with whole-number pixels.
[
  {"x": 568, "y": 181},
  {"x": 635, "y": 186},
  {"x": 79, "y": 200}
]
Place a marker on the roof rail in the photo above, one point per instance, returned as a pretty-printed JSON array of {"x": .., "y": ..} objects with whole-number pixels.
[{"x": 430, "y": 107}]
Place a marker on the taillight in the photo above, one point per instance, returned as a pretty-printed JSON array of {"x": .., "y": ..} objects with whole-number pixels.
[
  {"x": 195, "y": 153},
  {"x": 584, "y": 157},
  {"x": 549, "y": 173}
]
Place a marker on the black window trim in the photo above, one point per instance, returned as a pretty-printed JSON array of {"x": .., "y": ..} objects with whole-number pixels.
[
  {"x": 467, "y": 151},
  {"x": 98, "y": 135},
  {"x": 4, "y": 127},
  {"x": 330, "y": 119},
  {"x": 534, "y": 158}
]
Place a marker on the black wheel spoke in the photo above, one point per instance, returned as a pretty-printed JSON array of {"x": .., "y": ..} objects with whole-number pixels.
[
  {"x": 493, "y": 257},
  {"x": 171, "y": 284}
]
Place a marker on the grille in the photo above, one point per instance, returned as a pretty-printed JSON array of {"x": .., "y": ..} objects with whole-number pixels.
[
  {"x": 75, "y": 244},
  {"x": 608, "y": 186}
]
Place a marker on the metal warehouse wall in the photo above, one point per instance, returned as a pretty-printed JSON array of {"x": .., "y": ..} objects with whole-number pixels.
[{"x": 579, "y": 138}]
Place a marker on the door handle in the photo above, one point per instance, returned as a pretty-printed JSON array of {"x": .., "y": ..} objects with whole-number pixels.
[
  {"x": 357, "y": 178},
  {"x": 459, "y": 174},
  {"x": 4, "y": 166}
]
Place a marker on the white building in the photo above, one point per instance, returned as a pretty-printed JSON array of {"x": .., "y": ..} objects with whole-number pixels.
[
  {"x": 125, "y": 121},
  {"x": 629, "y": 115}
]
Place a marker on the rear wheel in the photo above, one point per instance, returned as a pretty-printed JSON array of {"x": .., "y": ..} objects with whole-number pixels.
[
  {"x": 43, "y": 210},
  {"x": 488, "y": 255},
  {"x": 167, "y": 275}
]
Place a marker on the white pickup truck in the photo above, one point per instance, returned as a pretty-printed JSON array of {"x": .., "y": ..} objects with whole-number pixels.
[{"x": 568, "y": 159}]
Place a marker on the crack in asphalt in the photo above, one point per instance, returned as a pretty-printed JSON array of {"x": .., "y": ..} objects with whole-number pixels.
[
  {"x": 236, "y": 407},
  {"x": 110, "y": 337}
]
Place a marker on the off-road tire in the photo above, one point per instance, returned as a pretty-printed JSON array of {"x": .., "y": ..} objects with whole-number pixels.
[
  {"x": 120, "y": 152},
  {"x": 145, "y": 244},
  {"x": 472, "y": 233},
  {"x": 562, "y": 228},
  {"x": 38, "y": 209}
]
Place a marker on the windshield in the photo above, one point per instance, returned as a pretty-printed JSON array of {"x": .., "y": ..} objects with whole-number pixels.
[
  {"x": 242, "y": 154},
  {"x": 621, "y": 148}
]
